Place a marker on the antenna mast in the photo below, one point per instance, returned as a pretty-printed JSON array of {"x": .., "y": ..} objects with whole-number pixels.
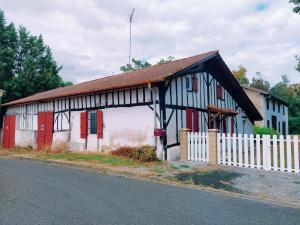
[{"x": 130, "y": 22}]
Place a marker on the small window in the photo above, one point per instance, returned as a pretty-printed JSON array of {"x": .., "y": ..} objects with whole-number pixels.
[
  {"x": 278, "y": 126},
  {"x": 92, "y": 122},
  {"x": 268, "y": 123},
  {"x": 219, "y": 91},
  {"x": 268, "y": 104},
  {"x": 283, "y": 109},
  {"x": 273, "y": 105},
  {"x": 283, "y": 128},
  {"x": 279, "y": 107},
  {"x": 274, "y": 122},
  {"x": 189, "y": 83}
]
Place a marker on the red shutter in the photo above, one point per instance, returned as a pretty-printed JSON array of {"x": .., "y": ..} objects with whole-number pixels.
[
  {"x": 224, "y": 125},
  {"x": 6, "y": 132},
  {"x": 83, "y": 125},
  {"x": 99, "y": 124},
  {"x": 219, "y": 91},
  {"x": 12, "y": 129},
  {"x": 196, "y": 121},
  {"x": 232, "y": 125},
  {"x": 189, "y": 119},
  {"x": 195, "y": 84}
]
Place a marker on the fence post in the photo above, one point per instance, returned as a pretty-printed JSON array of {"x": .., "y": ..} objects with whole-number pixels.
[
  {"x": 184, "y": 143},
  {"x": 212, "y": 143}
]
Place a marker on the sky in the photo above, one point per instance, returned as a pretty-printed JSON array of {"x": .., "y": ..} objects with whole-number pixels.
[{"x": 90, "y": 38}]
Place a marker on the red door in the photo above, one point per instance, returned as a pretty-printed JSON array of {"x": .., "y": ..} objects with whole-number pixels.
[
  {"x": 45, "y": 129},
  {"x": 9, "y": 131}
]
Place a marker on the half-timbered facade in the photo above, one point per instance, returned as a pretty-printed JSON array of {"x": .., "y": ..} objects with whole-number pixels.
[{"x": 147, "y": 106}]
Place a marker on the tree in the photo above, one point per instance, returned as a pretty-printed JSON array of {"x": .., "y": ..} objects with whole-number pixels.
[
  {"x": 139, "y": 64},
  {"x": 287, "y": 92},
  {"x": 260, "y": 83},
  {"x": 296, "y": 8},
  {"x": 241, "y": 75},
  {"x": 163, "y": 61},
  {"x": 26, "y": 63},
  {"x": 298, "y": 63}
]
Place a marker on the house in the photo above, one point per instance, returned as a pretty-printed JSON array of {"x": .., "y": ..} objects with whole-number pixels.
[
  {"x": 147, "y": 106},
  {"x": 273, "y": 109}
]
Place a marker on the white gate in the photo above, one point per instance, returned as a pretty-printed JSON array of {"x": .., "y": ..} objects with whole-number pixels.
[
  {"x": 261, "y": 152},
  {"x": 198, "y": 146}
]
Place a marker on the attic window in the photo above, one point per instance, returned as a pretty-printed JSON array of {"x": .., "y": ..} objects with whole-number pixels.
[
  {"x": 189, "y": 83},
  {"x": 219, "y": 91}
]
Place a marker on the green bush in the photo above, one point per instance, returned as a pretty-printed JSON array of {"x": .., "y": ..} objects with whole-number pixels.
[
  {"x": 144, "y": 153},
  {"x": 265, "y": 130}
]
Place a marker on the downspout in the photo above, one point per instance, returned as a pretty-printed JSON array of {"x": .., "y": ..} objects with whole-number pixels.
[{"x": 154, "y": 112}]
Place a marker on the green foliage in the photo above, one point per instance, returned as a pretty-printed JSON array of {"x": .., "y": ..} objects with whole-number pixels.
[
  {"x": 144, "y": 153},
  {"x": 163, "y": 61},
  {"x": 291, "y": 95},
  {"x": 26, "y": 63},
  {"x": 140, "y": 64},
  {"x": 241, "y": 75},
  {"x": 264, "y": 130},
  {"x": 136, "y": 65},
  {"x": 260, "y": 83},
  {"x": 296, "y": 8},
  {"x": 298, "y": 63}
]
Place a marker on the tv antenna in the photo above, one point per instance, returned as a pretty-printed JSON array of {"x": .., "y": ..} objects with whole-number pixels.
[{"x": 130, "y": 22}]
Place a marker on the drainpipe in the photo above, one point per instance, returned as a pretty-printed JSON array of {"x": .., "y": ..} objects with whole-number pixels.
[{"x": 154, "y": 112}]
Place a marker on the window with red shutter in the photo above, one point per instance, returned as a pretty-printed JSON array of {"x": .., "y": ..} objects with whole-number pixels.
[
  {"x": 196, "y": 121},
  {"x": 195, "y": 84},
  {"x": 83, "y": 125},
  {"x": 99, "y": 124},
  {"x": 219, "y": 91},
  {"x": 189, "y": 119}
]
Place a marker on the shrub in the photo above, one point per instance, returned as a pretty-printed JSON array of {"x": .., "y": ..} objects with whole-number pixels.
[
  {"x": 265, "y": 130},
  {"x": 124, "y": 151},
  {"x": 144, "y": 153}
]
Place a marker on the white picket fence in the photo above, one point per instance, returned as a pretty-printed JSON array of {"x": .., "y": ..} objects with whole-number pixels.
[
  {"x": 198, "y": 146},
  {"x": 261, "y": 152}
]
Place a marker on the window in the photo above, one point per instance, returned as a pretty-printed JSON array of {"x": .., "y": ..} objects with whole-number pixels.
[
  {"x": 283, "y": 128},
  {"x": 273, "y": 105},
  {"x": 279, "y": 107},
  {"x": 92, "y": 121},
  {"x": 268, "y": 123},
  {"x": 189, "y": 83},
  {"x": 278, "y": 126},
  {"x": 267, "y": 103},
  {"x": 219, "y": 91},
  {"x": 274, "y": 122},
  {"x": 283, "y": 109}
]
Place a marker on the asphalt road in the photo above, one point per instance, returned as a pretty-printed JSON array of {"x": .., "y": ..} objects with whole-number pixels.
[{"x": 38, "y": 193}]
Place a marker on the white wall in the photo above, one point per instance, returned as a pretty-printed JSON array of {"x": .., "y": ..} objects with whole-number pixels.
[
  {"x": 26, "y": 138},
  {"x": 122, "y": 126}
]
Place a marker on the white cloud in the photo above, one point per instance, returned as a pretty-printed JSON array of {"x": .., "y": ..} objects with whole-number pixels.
[{"x": 90, "y": 38}]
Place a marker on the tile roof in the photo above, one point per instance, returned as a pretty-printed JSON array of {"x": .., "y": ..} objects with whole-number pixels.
[{"x": 151, "y": 74}]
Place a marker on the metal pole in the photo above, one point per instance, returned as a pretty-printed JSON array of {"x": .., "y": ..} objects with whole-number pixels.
[{"x": 130, "y": 22}]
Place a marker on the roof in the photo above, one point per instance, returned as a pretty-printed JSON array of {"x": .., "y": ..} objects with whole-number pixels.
[
  {"x": 153, "y": 74},
  {"x": 266, "y": 93}
]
